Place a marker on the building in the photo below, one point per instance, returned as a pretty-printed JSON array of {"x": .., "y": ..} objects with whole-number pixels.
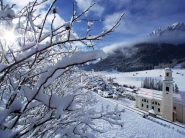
[{"x": 166, "y": 103}]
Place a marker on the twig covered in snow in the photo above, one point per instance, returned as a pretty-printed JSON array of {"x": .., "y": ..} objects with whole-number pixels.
[{"x": 42, "y": 92}]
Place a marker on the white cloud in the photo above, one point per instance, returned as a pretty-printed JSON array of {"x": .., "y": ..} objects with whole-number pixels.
[
  {"x": 19, "y": 4},
  {"x": 41, "y": 9},
  {"x": 126, "y": 26},
  {"x": 22, "y": 3},
  {"x": 113, "y": 47},
  {"x": 175, "y": 37},
  {"x": 57, "y": 22},
  {"x": 84, "y": 4}
]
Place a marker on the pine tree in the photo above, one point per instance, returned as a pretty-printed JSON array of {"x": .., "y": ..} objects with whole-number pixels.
[
  {"x": 183, "y": 65},
  {"x": 176, "y": 88},
  {"x": 151, "y": 83}
]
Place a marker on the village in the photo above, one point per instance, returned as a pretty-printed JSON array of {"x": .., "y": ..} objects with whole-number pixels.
[{"x": 167, "y": 104}]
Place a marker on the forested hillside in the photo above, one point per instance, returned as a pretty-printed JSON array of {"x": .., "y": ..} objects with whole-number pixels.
[{"x": 142, "y": 57}]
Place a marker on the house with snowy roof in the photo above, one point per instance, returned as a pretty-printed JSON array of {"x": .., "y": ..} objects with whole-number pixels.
[{"x": 166, "y": 103}]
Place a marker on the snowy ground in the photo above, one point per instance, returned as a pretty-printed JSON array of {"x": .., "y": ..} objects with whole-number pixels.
[
  {"x": 127, "y": 102},
  {"x": 135, "y": 78},
  {"x": 135, "y": 126}
]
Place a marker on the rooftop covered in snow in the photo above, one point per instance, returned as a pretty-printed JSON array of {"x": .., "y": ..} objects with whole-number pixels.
[
  {"x": 179, "y": 98},
  {"x": 168, "y": 70},
  {"x": 152, "y": 112},
  {"x": 150, "y": 94}
]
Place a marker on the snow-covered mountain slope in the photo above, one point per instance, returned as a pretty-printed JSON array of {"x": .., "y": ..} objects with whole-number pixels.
[
  {"x": 142, "y": 56},
  {"x": 135, "y": 78},
  {"x": 180, "y": 27}
]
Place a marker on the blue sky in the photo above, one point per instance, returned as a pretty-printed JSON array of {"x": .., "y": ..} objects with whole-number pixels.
[{"x": 141, "y": 16}]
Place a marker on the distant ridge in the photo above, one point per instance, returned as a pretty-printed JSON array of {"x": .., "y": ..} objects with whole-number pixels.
[{"x": 162, "y": 31}]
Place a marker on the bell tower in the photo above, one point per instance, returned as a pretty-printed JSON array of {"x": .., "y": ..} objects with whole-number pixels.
[{"x": 167, "y": 95}]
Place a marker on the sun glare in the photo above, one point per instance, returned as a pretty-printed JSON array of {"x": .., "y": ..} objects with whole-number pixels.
[{"x": 9, "y": 37}]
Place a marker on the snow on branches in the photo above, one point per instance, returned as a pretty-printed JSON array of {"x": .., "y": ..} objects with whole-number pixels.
[{"x": 42, "y": 93}]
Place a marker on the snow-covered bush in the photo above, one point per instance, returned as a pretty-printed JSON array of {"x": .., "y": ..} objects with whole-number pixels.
[
  {"x": 100, "y": 92},
  {"x": 115, "y": 96},
  {"x": 144, "y": 115},
  {"x": 42, "y": 93}
]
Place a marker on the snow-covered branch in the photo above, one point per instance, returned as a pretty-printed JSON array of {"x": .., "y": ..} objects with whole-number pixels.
[{"x": 42, "y": 92}]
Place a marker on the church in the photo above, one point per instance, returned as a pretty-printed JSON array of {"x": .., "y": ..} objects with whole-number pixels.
[{"x": 167, "y": 103}]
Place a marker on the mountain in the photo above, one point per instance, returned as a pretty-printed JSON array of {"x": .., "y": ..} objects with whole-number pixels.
[
  {"x": 176, "y": 27},
  {"x": 146, "y": 55},
  {"x": 142, "y": 56}
]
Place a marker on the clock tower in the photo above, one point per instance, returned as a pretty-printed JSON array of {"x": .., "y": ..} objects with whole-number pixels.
[{"x": 167, "y": 95}]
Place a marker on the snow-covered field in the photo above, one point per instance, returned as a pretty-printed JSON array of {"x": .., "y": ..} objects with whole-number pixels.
[
  {"x": 135, "y": 126},
  {"x": 135, "y": 78}
]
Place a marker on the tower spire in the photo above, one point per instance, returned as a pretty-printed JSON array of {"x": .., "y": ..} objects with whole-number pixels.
[{"x": 167, "y": 99}]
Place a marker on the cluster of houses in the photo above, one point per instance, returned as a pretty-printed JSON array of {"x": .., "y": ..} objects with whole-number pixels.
[
  {"x": 119, "y": 91},
  {"x": 166, "y": 103}
]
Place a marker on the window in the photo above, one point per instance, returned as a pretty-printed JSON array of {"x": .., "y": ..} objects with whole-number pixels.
[
  {"x": 142, "y": 105},
  {"x": 152, "y": 102},
  {"x": 158, "y": 109},
  {"x": 159, "y": 104},
  {"x": 174, "y": 108},
  {"x": 144, "y": 100},
  {"x": 155, "y": 103},
  {"x": 147, "y": 101},
  {"x": 153, "y": 107},
  {"x": 167, "y": 89},
  {"x": 167, "y": 74},
  {"x": 146, "y": 106}
]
